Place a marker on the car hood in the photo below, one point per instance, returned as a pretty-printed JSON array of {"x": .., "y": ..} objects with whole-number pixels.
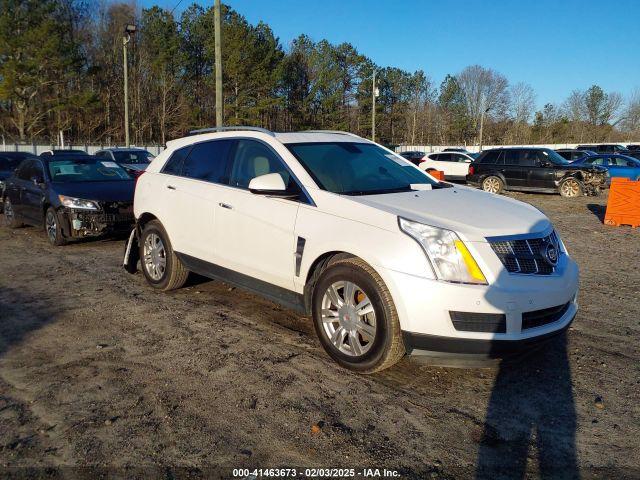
[
  {"x": 4, "y": 174},
  {"x": 473, "y": 213},
  {"x": 114, "y": 191}
]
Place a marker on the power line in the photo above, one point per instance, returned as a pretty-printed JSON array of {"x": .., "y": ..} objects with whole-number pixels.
[{"x": 174, "y": 8}]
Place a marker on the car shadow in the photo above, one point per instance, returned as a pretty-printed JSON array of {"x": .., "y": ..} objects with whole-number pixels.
[
  {"x": 598, "y": 210},
  {"x": 22, "y": 313},
  {"x": 531, "y": 413}
]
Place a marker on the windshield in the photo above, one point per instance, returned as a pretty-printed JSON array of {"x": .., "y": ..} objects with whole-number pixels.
[
  {"x": 86, "y": 170},
  {"x": 555, "y": 157},
  {"x": 473, "y": 155},
  {"x": 133, "y": 157},
  {"x": 357, "y": 168}
]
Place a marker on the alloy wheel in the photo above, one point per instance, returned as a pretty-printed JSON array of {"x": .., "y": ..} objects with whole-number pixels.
[
  {"x": 491, "y": 185},
  {"x": 154, "y": 256},
  {"x": 348, "y": 318},
  {"x": 52, "y": 227},
  {"x": 570, "y": 188}
]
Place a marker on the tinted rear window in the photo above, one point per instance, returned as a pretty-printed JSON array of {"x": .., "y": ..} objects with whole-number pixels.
[
  {"x": 174, "y": 164},
  {"x": 489, "y": 157},
  {"x": 208, "y": 161}
]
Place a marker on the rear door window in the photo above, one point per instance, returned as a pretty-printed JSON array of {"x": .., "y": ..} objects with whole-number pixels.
[
  {"x": 208, "y": 161},
  {"x": 512, "y": 157},
  {"x": 444, "y": 157},
  {"x": 489, "y": 157}
]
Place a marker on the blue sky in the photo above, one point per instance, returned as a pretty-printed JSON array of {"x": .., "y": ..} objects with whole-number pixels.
[{"x": 554, "y": 45}]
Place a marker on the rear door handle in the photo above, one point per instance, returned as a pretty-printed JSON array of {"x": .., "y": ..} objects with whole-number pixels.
[
  {"x": 171, "y": 187},
  {"x": 226, "y": 205}
]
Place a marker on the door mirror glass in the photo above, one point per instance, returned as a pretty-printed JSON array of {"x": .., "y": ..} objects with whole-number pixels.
[{"x": 269, "y": 184}]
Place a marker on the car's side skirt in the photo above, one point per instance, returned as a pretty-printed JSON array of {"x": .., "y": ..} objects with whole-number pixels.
[{"x": 286, "y": 298}]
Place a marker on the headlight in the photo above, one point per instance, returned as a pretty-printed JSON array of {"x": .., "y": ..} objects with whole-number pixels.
[
  {"x": 449, "y": 257},
  {"x": 79, "y": 203},
  {"x": 2, "y": 184}
]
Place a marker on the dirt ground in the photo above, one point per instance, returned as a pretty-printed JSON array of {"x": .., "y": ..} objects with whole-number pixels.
[{"x": 99, "y": 374}]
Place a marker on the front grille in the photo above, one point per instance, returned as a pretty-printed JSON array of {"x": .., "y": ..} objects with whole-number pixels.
[
  {"x": 479, "y": 322},
  {"x": 537, "y": 318},
  {"x": 527, "y": 256}
]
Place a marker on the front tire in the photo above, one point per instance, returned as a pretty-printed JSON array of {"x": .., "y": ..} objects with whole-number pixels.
[
  {"x": 160, "y": 265},
  {"x": 355, "y": 317},
  {"x": 571, "y": 188},
  {"x": 53, "y": 229},
  {"x": 493, "y": 184}
]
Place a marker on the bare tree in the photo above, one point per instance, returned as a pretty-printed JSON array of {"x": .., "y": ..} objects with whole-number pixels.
[
  {"x": 631, "y": 117},
  {"x": 522, "y": 100},
  {"x": 485, "y": 92}
]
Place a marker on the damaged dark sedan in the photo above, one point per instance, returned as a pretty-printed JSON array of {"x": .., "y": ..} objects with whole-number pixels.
[{"x": 72, "y": 197}]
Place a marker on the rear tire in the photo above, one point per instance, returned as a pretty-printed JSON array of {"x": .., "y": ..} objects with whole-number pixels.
[
  {"x": 160, "y": 265},
  {"x": 571, "y": 188},
  {"x": 355, "y": 318},
  {"x": 52, "y": 228},
  {"x": 9, "y": 215},
  {"x": 493, "y": 184}
]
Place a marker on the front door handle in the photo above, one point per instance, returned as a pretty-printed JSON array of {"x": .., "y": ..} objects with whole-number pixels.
[
  {"x": 226, "y": 205},
  {"x": 171, "y": 187}
]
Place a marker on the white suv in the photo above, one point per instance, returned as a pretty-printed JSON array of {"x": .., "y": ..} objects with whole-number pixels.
[
  {"x": 384, "y": 258},
  {"x": 455, "y": 165}
]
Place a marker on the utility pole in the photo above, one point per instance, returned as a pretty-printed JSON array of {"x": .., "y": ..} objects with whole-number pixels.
[
  {"x": 374, "y": 94},
  {"x": 484, "y": 111},
  {"x": 218, "y": 62},
  {"x": 128, "y": 30}
]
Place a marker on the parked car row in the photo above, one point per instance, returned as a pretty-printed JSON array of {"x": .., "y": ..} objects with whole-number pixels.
[
  {"x": 384, "y": 258},
  {"x": 71, "y": 194},
  {"x": 569, "y": 172}
]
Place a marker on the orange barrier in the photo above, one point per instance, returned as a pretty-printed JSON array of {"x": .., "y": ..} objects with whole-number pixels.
[
  {"x": 437, "y": 174},
  {"x": 623, "y": 207}
]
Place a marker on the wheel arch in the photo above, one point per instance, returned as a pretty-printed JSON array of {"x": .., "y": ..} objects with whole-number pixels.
[{"x": 145, "y": 218}]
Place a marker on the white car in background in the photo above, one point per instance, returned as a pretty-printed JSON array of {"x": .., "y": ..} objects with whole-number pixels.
[
  {"x": 385, "y": 259},
  {"x": 455, "y": 165}
]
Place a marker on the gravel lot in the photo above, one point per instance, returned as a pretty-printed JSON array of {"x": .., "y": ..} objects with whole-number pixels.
[{"x": 100, "y": 372}]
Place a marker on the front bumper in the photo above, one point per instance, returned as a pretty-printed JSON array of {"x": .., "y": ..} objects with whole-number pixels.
[
  {"x": 441, "y": 347},
  {"x": 86, "y": 223},
  {"x": 424, "y": 307}
]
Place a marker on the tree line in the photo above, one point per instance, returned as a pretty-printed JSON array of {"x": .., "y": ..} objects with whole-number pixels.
[{"x": 61, "y": 68}]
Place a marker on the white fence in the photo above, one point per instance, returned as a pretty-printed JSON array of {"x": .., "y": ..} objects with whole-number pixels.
[
  {"x": 90, "y": 149},
  {"x": 476, "y": 148}
]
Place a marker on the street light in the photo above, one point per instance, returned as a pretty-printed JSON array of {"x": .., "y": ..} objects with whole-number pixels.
[{"x": 129, "y": 30}]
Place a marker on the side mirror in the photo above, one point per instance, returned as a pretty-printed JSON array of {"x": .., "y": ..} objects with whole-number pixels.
[{"x": 270, "y": 184}]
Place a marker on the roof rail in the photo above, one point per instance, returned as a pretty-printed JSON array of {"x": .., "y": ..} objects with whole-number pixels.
[
  {"x": 231, "y": 129},
  {"x": 337, "y": 132}
]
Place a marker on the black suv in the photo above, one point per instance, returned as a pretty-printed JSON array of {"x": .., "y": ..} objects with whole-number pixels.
[{"x": 534, "y": 169}]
